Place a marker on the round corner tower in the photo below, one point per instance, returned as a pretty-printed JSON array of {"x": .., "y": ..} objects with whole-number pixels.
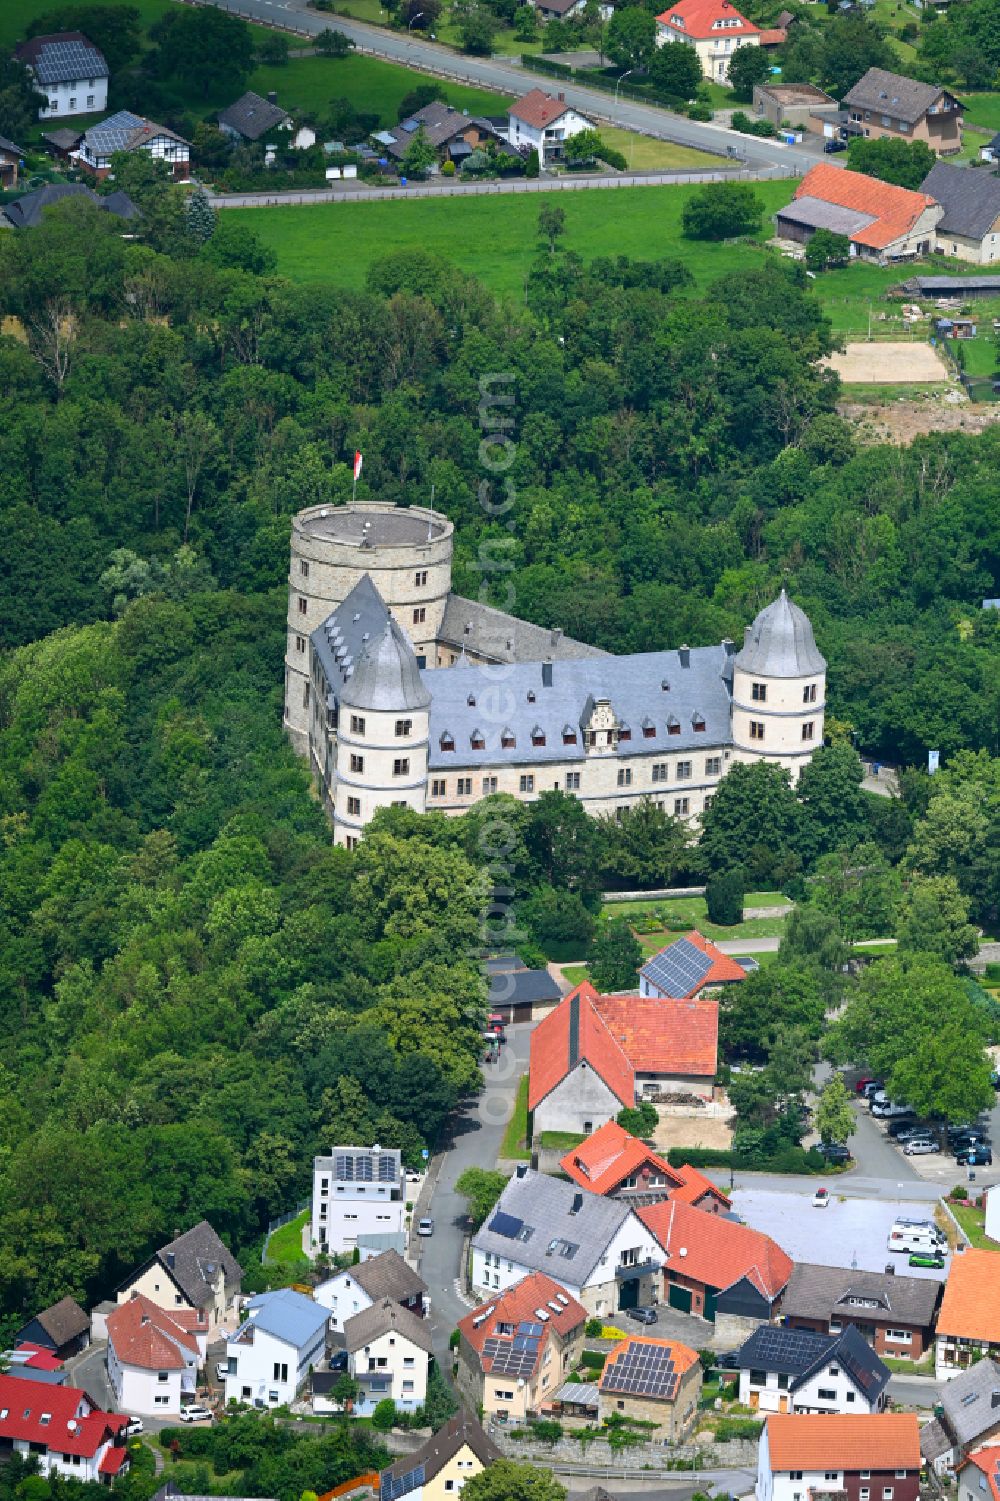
[
  {"x": 407, "y": 554},
  {"x": 779, "y": 689}
]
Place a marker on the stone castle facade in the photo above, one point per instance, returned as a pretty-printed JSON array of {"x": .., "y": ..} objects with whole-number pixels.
[{"x": 401, "y": 692}]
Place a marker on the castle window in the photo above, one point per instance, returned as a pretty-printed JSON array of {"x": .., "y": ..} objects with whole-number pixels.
[
  {"x": 758, "y": 692},
  {"x": 438, "y": 787},
  {"x": 420, "y": 579},
  {"x": 568, "y": 735},
  {"x": 304, "y": 568},
  {"x": 648, "y": 728},
  {"x": 300, "y": 643},
  {"x": 673, "y": 726},
  {"x": 508, "y": 740},
  {"x": 538, "y": 735},
  {"x": 708, "y": 801},
  {"x": 624, "y": 776},
  {"x": 808, "y": 730},
  {"x": 354, "y": 807},
  {"x": 358, "y": 763},
  {"x": 572, "y": 781},
  {"x": 713, "y": 766},
  {"x": 659, "y": 771},
  {"x": 305, "y": 696},
  {"x": 331, "y": 719},
  {"x": 357, "y": 724},
  {"x": 756, "y": 729},
  {"x": 401, "y": 768},
  {"x": 403, "y": 728},
  {"x": 682, "y": 807},
  {"x": 698, "y": 722},
  {"x": 624, "y": 733},
  {"x": 447, "y": 741},
  {"x": 350, "y": 843},
  {"x": 809, "y": 693},
  {"x": 419, "y": 616},
  {"x": 303, "y": 607},
  {"x": 477, "y": 740},
  {"x": 683, "y": 771},
  {"x": 464, "y": 788},
  {"x": 527, "y": 784},
  {"x": 489, "y": 786}
]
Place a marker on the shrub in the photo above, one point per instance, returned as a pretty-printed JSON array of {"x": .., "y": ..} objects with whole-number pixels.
[
  {"x": 592, "y": 1328},
  {"x": 448, "y": 169},
  {"x": 638, "y": 1120},
  {"x": 613, "y": 158},
  {"x": 384, "y": 1415},
  {"x": 532, "y": 169},
  {"x": 724, "y": 898},
  {"x": 722, "y": 211},
  {"x": 699, "y": 111},
  {"x": 959, "y": 1192},
  {"x": 730, "y": 1428},
  {"x": 546, "y": 1431},
  {"x": 454, "y": 1339}
]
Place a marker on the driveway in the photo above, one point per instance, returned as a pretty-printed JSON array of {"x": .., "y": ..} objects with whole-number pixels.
[
  {"x": 476, "y": 1140},
  {"x": 88, "y": 1371}
]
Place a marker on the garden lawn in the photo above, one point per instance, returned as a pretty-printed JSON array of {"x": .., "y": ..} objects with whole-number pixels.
[
  {"x": 310, "y": 84},
  {"x": 575, "y": 974},
  {"x": 286, "y": 1244},
  {"x": 971, "y": 1221},
  {"x": 692, "y": 911},
  {"x": 646, "y": 154},
  {"x": 495, "y": 238},
  {"x": 981, "y": 109},
  {"x": 560, "y": 1141},
  {"x": 513, "y": 1144}
]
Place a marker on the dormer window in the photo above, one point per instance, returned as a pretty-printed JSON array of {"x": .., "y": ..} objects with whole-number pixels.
[
  {"x": 665, "y": 685},
  {"x": 447, "y": 741},
  {"x": 697, "y": 721},
  {"x": 477, "y": 740},
  {"x": 471, "y": 700},
  {"x": 531, "y": 695},
  {"x": 538, "y": 735},
  {"x": 648, "y": 729},
  {"x": 568, "y": 735},
  {"x": 673, "y": 725},
  {"x": 624, "y": 732},
  {"x": 508, "y": 740}
]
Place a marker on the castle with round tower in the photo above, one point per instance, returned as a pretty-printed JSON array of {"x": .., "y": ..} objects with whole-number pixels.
[{"x": 400, "y": 691}]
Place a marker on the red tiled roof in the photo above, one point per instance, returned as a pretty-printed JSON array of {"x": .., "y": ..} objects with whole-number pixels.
[
  {"x": 518, "y": 1304},
  {"x": 539, "y": 109},
  {"x": 113, "y": 1460},
  {"x": 970, "y": 1308},
  {"x": 696, "y": 18},
  {"x": 715, "y": 1251},
  {"x": 682, "y": 1356},
  {"x": 837, "y": 1441},
  {"x": 896, "y": 210},
  {"x": 773, "y": 36},
  {"x": 610, "y": 1155},
  {"x": 72, "y": 1425},
  {"x": 696, "y": 1186},
  {"x": 147, "y": 1336},
  {"x": 986, "y": 1459},
  {"x": 724, "y": 970},
  {"x": 661, "y": 1036},
  {"x": 38, "y": 1359},
  {"x": 573, "y": 1032}
]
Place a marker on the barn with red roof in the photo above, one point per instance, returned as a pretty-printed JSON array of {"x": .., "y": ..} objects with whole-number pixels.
[{"x": 882, "y": 222}]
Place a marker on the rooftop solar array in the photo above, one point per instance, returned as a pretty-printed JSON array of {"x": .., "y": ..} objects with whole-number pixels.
[
  {"x": 66, "y": 62},
  {"x": 512, "y": 1357},
  {"x": 678, "y": 969},
  {"x": 394, "y": 1486},
  {"x": 790, "y": 1351},
  {"x": 506, "y": 1224},
  {"x": 363, "y": 1167},
  {"x": 643, "y": 1371}
]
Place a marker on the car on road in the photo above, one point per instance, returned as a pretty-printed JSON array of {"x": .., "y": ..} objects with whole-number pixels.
[
  {"x": 934, "y": 1259},
  {"x": 222, "y": 1369},
  {"x": 975, "y": 1157},
  {"x": 425, "y": 1227},
  {"x": 641, "y": 1315},
  {"x": 867, "y": 1087},
  {"x": 133, "y": 1426},
  {"x": 836, "y": 144},
  {"x": 833, "y": 1151},
  {"x": 195, "y": 1414},
  {"x": 821, "y": 1198},
  {"x": 339, "y": 1361},
  {"x": 919, "y": 1146}
]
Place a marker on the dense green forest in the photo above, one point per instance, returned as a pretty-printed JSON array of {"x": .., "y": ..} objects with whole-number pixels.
[{"x": 196, "y": 990}]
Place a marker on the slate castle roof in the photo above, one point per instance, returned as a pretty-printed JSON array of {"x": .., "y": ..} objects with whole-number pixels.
[
  {"x": 365, "y": 656},
  {"x": 971, "y": 200},
  {"x": 62, "y": 57},
  {"x": 780, "y": 643}
]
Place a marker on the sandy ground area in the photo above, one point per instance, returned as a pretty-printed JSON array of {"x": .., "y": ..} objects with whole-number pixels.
[
  {"x": 694, "y": 1128},
  {"x": 902, "y": 421},
  {"x": 888, "y": 363}
]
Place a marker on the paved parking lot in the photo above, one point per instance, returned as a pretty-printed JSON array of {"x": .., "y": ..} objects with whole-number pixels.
[{"x": 848, "y": 1232}]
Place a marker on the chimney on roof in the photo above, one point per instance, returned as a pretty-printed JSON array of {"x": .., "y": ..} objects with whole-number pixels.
[
  {"x": 521, "y": 1169},
  {"x": 171, "y": 1259},
  {"x": 556, "y": 635},
  {"x": 577, "y": 1204},
  {"x": 890, "y": 1269},
  {"x": 272, "y": 97},
  {"x": 728, "y": 646},
  {"x": 684, "y": 653},
  {"x": 546, "y": 674}
]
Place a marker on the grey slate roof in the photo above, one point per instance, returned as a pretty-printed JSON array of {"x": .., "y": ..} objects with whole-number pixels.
[
  {"x": 780, "y": 643},
  {"x": 499, "y": 637},
  {"x": 287, "y": 1315},
  {"x": 970, "y": 199},
  {"x": 388, "y": 1276},
  {"x": 63, "y": 139},
  {"x": 440, "y": 122},
  {"x": 9, "y": 147},
  {"x": 633, "y": 684},
  {"x": 64, "y": 1321},
  {"x": 386, "y": 1317},
  {"x": 971, "y": 1402},
  {"x": 26, "y": 212},
  {"x": 367, "y": 660},
  {"x": 62, "y": 57},
  {"x": 934, "y": 1441},
  {"x": 540, "y": 1208},
  {"x": 892, "y": 94},
  {"x": 524, "y": 987},
  {"x": 124, "y": 131},
  {"x": 414, "y": 1470},
  {"x": 800, "y": 1353},
  {"x": 250, "y": 116},
  {"x": 817, "y": 1292},
  {"x": 816, "y": 213},
  {"x": 193, "y": 1260}
]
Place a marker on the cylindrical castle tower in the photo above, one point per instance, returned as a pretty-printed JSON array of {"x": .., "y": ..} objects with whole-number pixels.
[
  {"x": 779, "y": 689},
  {"x": 407, "y": 553}
]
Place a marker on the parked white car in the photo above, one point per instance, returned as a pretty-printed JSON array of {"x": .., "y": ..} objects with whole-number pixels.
[
  {"x": 919, "y": 1146},
  {"x": 195, "y": 1414}
]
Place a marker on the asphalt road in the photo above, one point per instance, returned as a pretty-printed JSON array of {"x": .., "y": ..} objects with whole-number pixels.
[{"x": 763, "y": 157}]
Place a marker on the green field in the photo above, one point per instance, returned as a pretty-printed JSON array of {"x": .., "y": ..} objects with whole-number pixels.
[
  {"x": 15, "y": 15},
  {"x": 645, "y": 154},
  {"x": 693, "y": 910},
  {"x": 494, "y": 238},
  {"x": 285, "y": 1244},
  {"x": 982, "y": 109},
  {"x": 310, "y": 84}
]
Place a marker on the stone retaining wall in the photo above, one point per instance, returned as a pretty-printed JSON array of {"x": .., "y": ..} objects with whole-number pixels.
[{"x": 737, "y": 1454}]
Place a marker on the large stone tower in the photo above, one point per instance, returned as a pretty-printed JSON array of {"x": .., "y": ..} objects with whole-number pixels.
[
  {"x": 779, "y": 689},
  {"x": 407, "y": 554}
]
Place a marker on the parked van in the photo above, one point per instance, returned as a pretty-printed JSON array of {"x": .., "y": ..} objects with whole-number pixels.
[
  {"x": 887, "y": 1111},
  {"x": 917, "y": 1237}
]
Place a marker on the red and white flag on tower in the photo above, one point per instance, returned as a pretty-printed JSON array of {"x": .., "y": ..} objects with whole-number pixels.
[{"x": 358, "y": 461}]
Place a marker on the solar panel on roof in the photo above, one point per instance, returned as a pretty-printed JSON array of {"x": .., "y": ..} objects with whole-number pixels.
[
  {"x": 67, "y": 62},
  {"x": 394, "y": 1486},
  {"x": 527, "y": 1327},
  {"x": 506, "y": 1224},
  {"x": 679, "y": 968},
  {"x": 643, "y": 1370}
]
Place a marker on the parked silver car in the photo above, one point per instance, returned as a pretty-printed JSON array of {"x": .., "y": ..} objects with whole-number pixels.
[{"x": 919, "y": 1146}]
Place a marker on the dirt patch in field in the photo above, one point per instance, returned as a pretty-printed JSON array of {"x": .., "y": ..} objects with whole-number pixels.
[
  {"x": 696, "y": 1128},
  {"x": 902, "y": 421},
  {"x": 888, "y": 363}
]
